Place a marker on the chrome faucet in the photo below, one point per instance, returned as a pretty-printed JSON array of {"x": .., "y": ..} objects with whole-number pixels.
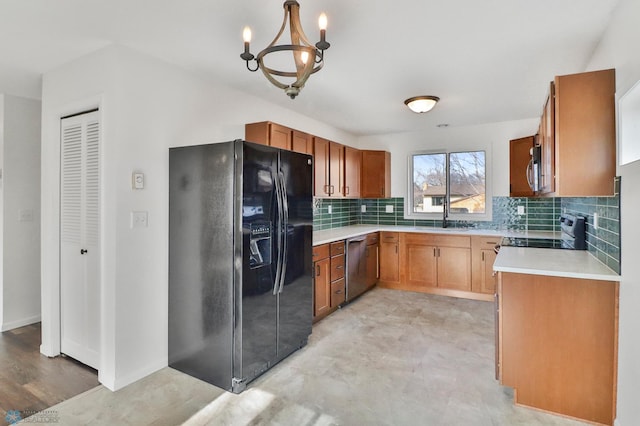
[{"x": 445, "y": 212}]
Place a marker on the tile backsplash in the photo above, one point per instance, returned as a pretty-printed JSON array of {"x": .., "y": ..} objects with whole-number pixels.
[{"x": 540, "y": 214}]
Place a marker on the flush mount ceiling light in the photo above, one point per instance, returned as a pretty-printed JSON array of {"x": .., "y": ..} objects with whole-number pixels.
[
  {"x": 421, "y": 104},
  {"x": 307, "y": 58}
]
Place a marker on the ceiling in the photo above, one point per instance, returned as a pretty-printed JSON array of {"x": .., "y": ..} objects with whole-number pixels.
[{"x": 488, "y": 60}]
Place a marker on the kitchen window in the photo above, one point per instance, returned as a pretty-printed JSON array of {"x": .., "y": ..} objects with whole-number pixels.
[{"x": 457, "y": 180}]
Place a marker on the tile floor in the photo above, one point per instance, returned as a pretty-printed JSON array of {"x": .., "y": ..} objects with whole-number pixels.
[{"x": 389, "y": 358}]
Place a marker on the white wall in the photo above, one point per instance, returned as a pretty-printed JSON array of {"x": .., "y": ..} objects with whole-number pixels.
[
  {"x": 20, "y": 281},
  {"x": 619, "y": 49},
  {"x": 147, "y": 106},
  {"x": 495, "y": 137},
  {"x": 1, "y": 209}
]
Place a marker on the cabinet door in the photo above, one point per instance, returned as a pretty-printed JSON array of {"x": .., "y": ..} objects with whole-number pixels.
[
  {"x": 376, "y": 177},
  {"x": 279, "y": 136},
  {"x": 389, "y": 261},
  {"x": 519, "y": 157},
  {"x": 336, "y": 169},
  {"x": 547, "y": 145},
  {"x": 487, "y": 283},
  {"x": 352, "y": 163},
  {"x": 257, "y": 132},
  {"x": 420, "y": 265},
  {"x": 585, "y": 134},
  {"x": 301, "y": 142},
  {"x": 454, "y": 268},
  {"x": 321, "y": 167},
  {"x": 322, "y": 291},
  {"x": 371, "y": 259}
]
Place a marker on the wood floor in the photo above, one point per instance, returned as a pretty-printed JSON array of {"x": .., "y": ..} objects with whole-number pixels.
[{"x": 31, "y": 382}]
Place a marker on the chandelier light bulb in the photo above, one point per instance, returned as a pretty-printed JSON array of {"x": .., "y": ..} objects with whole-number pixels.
[
  {"x": 322, "y": 21},
  {"x": 246, "y": 34},
  {"x": 304, "y": 57}
]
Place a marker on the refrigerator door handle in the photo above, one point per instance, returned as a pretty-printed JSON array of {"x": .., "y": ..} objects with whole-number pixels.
[
  {"x": 285, "y": 230},
  {"x": 280, "y": 219}
]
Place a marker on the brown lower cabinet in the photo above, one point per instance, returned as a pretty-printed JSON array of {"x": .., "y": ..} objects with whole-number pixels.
[
  {"x": 450, "y": 265},
  {"x": 557, "y": 344},
  {"x": 390, "y": 257},
  {"x": 321, "y": 281},
  {"x": 428, "y": 263},
  {"x": 329, "y": 279},
  {"x": 482, "y": 257}
]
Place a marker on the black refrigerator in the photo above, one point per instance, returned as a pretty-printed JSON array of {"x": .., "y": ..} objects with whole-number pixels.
[{"x": 240, "y": 242}]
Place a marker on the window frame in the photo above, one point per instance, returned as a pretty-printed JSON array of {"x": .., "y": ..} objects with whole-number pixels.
[{"x": 479, "y": 217}]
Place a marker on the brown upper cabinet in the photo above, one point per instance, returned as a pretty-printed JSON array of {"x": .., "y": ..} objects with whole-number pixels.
[
  {"x": 276, "y": 135},
  {"x": 339, "y": 170},
  {"x": 328, "y": 168},
  {"x": 352, "y": 170},
  {"x": 376, "y": 174},
  {"x": 519, "y": 157},
  {"x": 268, "y": 133},
  {"x": 578, "y": 136},
  {"x": 301, "y": 142}
]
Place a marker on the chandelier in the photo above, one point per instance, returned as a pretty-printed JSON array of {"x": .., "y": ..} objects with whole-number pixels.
[{"x": 307, "y": 58}]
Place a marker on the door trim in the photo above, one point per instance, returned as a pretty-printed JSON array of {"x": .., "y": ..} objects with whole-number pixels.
[{"x": 50, "y": 237}]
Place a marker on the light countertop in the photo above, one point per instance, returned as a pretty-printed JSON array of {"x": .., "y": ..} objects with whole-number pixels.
[
  {"x": 523, "y": 260},
  {"x": 330, "y": 235},
  {"x": 553, "y": 262}
]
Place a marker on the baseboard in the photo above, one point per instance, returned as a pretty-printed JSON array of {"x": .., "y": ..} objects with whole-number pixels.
[
  {"x": 20, "y": 323},
  {"x": 120, "y": 382}
]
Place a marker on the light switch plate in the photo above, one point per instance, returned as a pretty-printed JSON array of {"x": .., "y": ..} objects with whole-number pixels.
[
  {"x": 139, "y": 219},
  {"x": 521, "y": 210},
  {"x": 329, "y": 209},
  {"x": 137, "y": 180},
  {"x": 389, "y": 209},
  {"x": 25, "y": 215},
  {"x": 363, "y": 208}
]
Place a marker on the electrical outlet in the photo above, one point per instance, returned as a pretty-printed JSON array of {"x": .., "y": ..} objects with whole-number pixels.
[
  {"x": 329, "y": 209},
  {"x": 520, "y": 210},
  {"x": 139, "y": 219},
  {"x": 363, "y": 208},
  {"x": 389, "y": 209}
]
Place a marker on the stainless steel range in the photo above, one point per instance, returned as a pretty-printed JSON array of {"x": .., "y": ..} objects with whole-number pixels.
[{"x": 573, "y": 236}]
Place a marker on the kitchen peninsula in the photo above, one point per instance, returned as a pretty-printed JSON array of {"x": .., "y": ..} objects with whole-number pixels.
[{"x": 557, "y": 331}]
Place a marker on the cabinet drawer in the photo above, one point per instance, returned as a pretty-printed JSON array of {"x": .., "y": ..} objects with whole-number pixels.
[
  {"x": 337, "y": 248},
  {"x": 389, "y": 237},
  {"x": 439, "y": 240},
  {"x": 487, "y": 242},
  {"x": 373, "y": 238},
  {"x": 337, "y": 267},
  {"x": 337, "y": 293},
  {"x": 320, "y": 252}
]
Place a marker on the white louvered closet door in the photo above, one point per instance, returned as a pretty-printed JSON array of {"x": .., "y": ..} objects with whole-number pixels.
[{"x": 80, "y": 238}]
